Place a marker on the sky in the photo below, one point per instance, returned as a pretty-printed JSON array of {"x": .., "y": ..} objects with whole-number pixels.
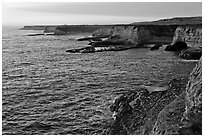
[{"x": 50, "y": 13}]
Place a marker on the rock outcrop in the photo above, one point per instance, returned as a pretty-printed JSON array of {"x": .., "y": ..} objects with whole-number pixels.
[
  {"x": 188, "y": 40},
  {"x": 136, "y": 112},
  {"x": 124, "y": 37},
  {"x": 193, "y": 111},
  {"x": 155, "y": 47},
  {"x": 126, "y": 34},
  {"x": 167, "y": 111},
  {"x": 120, "y": 38},
  {"x": 184, "y": 114},
  {"x": 177, "y": 46},
  {"x": 191, "y": 35},
  {"x": 142, "y": 34},
  {"x": 191, "y": 53}
]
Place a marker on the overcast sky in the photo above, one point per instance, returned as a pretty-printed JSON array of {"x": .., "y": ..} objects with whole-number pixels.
[{"x": 21, "y": 14}]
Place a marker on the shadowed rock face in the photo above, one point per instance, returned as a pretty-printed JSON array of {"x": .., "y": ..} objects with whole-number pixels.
[
  {"x": 191, "y": 35},
  {"x": 178, "y": 46},
  {"x": 191, "y": 53},
  {"x": 189, "y": 40}
]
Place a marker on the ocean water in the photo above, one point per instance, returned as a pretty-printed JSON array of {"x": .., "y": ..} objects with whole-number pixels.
[{"x": 48, "y": 91}]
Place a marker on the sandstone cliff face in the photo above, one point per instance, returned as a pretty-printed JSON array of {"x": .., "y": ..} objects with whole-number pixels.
[
  {"x": 133, "y": 34},
  {"x": 103, "y": 32},
  {"x": 141, "y": 34},
  {"x": 191, "y": 35}
]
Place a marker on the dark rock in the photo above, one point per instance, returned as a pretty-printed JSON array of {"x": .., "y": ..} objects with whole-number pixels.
[
  {"x": 191, "y": 53},
  {"x": 90, "y": 43},
  {"x": 38, "y": 34},
  {"x": 88, "y": 50},
  {"x": 82, "y": 50},
  {"x": 73, "y": 50},
  {"x": 90, "y": 38},
  {"x": 108, "y": 42},
  {"x": 178, "y": 46},
  {"x": 155, "y": 47}
]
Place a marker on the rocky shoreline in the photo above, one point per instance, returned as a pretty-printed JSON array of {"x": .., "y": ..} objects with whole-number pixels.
[
  {"x": 186, "y": 40},
  {"x": 175, "y": 109},
  {"x": 171, "y": 109},
  {"x": 182, "y": 35}
]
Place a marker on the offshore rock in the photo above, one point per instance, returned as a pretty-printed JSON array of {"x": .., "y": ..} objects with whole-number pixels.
[
  {"x": 191, "y": 53},
  {"x": 89, "y": 49},
  {"x": 108, "y": 42},
  {"x": 89, "y": 39},
  {"x": 178, "y": 46},
  {"x": 136, "y": 112},
  {"x": 155, "y": 47}
]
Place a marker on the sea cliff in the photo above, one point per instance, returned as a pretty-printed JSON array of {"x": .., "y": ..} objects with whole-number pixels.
[
  {"x": 173, "y": 109},
  {"x": 183, "y": 115},
  {"x": 140, "y": 34},
  {"x": 191, "y": 35}
]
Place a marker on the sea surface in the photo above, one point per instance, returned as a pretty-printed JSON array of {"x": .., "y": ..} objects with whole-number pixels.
[{"x": 48, "y": 91}]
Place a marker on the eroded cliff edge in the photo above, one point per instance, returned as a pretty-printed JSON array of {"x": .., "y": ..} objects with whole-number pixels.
[
  {"x": 170, "y": 111},
  {"x": 187, "y": 39},
  {"x": 184, "y": 115}
]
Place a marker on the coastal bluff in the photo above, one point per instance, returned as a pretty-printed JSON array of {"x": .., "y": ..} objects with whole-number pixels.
[
  {"x": 183, "y": 36},
  {"x": 65, "y": 29}
]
